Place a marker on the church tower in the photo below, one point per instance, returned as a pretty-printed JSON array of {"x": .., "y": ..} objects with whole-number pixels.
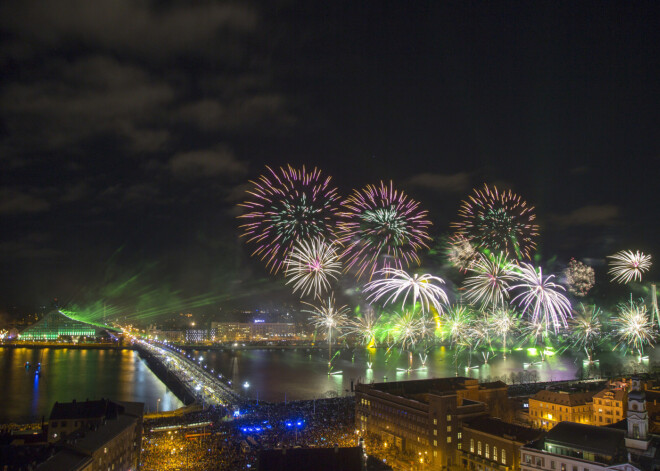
[{"x": 638, "y": 417}]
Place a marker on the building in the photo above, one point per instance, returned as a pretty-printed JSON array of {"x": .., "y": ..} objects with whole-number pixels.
[
  {"x": 56, "y": 325},
  {"x": 199, "y": 335},
  {"x": 253, "y": 331},
  {"x": 421, "y": 419},
  {"x": 489, "y": 443},
  {"x": 609, "y": 406},
  {"x": 571, "y": 446},
  {"x": 95, "y": 436},
  {"x": 548, "y": 408}
]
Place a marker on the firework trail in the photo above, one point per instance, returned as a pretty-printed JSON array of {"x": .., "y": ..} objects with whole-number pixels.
[
  {"x": 540, "y": 297},
  {"x": 397, "y": 283}
]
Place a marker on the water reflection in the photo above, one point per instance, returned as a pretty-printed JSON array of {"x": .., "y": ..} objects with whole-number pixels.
[{"x": 68, "y": 374}]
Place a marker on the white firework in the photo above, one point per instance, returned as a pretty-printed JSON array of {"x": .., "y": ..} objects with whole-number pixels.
[
  {"x": 627, "y": 266},
  {"x": 395, "y": 283},
  {"x": 328, "y": 317},
  {"x": 540, "y": 297},
  {"x": 633, "y": 326},
  {"x": 490, "y": 283},
  {"x": 407, "y": 330},
  {"x": 503, "y": 322},
  {"x": 364, "y": 327},
  {"x": 310, "y": 266}
]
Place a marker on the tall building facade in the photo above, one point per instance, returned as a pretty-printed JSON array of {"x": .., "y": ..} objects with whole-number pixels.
[{"x": 422, "y": 418}]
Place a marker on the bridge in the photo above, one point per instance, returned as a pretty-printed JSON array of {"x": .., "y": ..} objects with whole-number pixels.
[{"x": 206, "y": 387}]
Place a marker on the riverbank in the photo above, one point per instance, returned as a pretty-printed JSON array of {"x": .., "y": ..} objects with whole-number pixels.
[{"x": 60, "y": 345}]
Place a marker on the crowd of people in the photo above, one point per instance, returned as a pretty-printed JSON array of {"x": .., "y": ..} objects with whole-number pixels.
[{"x": 228, "y": 439}]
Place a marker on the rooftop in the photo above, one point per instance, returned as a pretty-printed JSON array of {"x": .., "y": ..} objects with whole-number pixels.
[
  {"x": 435, "y": 386},
  {"x": 564, "y": 398},
  {"x": 103, "y": 408},
  {"x": 602, "y": 441},
  {"x": 611, "y": 394},
  {"x": 503, "y": 429}
]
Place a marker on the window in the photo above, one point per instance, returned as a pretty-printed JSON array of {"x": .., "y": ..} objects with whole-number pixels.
[
  {"x": 552, "y": 465},
  {"x": 448, "y": 428},
  {"x": 503, "y": 456},
  {"x": 448, "y": 439},
  {"x": 494, "y": 453},
  {"x": 435, "y": 421},
  {"x": 487, "y": 451},
  {"x": 435, "y": 432},
  {"x": 479, "y": 447},
  {"x": 435, "y": 442},
  {"x": 460, "y": 435},
  {"x": 460, "y": 446},
  {"x": 448, "y": 418},
  {"x": 471, "y": 445}
]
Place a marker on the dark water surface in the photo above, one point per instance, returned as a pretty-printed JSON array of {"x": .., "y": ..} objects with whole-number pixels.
[
  {"x": 271, "y": 374},
  {"x": 303, "y": 374},
  {"x": 69, "y": 374}
]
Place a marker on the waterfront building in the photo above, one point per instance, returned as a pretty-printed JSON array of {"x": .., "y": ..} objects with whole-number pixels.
[
  {"x": 609, "y": 406},
  {"x": 421, "y": 418},
  {"x": 199, "y": 335},
  {"x": 254, "y": 331},
  {"x": 490, "y": 443},
  {"x": 548, "y": 408},
  {"x": 55, "y": 325}
]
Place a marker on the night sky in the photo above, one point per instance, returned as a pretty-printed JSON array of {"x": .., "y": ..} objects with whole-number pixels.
[{"x": 129, "y": 129}]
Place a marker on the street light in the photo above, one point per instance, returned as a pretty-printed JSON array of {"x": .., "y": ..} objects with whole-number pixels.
[
  {"x": 157, "y": 403},
  {"x": 246, "y": 385}
]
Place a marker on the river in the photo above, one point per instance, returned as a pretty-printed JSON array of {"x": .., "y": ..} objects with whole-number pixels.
[
  {"x": 270, "y": 374},
  {"x": 68, "y": 374}
]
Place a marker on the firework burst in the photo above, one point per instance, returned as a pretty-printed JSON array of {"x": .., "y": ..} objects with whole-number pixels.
[
  {"x": 504, "y": 321},
  {"x": 381, "y": 227},
  {"x": 633, "y": 326},
  {"x": 396, "y": 283},
  {"x": 627, "y": 266},
  {"x": 407, "y": 330},
  {"x": 287, "y": 206},
  {"x": 490, "y": 283},
  {"x": 327, "y": 317},
  {"x": 460, "y": 253},
  {"x": 457, "y": 324},
  {"x": 580, "y": 278},
  {"x": 540, "y": 297},
  {"x": 498, "y": 221},
  {"x": 310, "y": 266},
  {"x": 365, "y": 328},
  {"x": 586, "y": 328}
]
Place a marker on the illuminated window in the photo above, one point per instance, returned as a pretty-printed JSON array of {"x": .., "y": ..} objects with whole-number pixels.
[
  {"x": 448, "y": 418},
  {"x": 435, "y": 442},
  {"x": 435, "y": 421},
  {"x": 448, "y": 439},
  {"x": 435, "y": 432},
  {"x": 471, "y": 445},
  {"x": 487, "y": 451},
  {"x": 448, "y": 428},
  {"x": 479, "y": 447},
  {"x": 460, "y": 435},
  {"x": 494, "y": 453},
  {"x": 503, "y": 456}
]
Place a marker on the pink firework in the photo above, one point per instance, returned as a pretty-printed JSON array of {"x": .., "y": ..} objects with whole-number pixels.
[
  {"x": 287, "y": 206},
  {"x": 381, "y": 227}
]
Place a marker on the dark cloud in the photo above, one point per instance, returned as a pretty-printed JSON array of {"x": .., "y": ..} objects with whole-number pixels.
[
  {"x": 593, "y": 215},
  {"x": 92, "y": 96},
  {"x": 206, "y": 163},
  {"x": 136, "y": 27},
  {"x": 241, "y": 113},
  {"x": 13, "y": 201},
  {"x": 456, "y": 183}
]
